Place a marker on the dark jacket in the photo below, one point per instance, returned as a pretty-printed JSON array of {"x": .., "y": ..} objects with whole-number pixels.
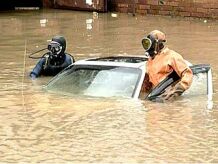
[{"x": 51, "y": 66}]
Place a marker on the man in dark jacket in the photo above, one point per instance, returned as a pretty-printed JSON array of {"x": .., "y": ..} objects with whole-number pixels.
[{"x": 53, "y": 61}]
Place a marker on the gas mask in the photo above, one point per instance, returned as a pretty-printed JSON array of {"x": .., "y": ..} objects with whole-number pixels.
[
  {"x": 152, "y": 46},
  {"x": 55, "y": 48}
]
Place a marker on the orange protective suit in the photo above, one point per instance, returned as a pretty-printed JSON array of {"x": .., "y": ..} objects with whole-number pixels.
[{"x": 164, "y": 63}]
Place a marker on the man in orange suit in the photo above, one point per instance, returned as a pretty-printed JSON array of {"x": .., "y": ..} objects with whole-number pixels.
[{"x": 162, "y": 62}]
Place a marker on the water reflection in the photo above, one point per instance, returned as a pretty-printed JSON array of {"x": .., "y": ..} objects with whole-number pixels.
[
  {"x": 37, "y": 126},
  {"x": 89, "y": 24},
  {"x": 43, "y": 22}
]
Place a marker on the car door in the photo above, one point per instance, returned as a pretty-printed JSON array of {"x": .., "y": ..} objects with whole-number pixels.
[{"x": 202, "y": 82}]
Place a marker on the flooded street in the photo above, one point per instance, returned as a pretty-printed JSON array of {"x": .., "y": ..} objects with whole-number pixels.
[{"x": 36, "y": 126}]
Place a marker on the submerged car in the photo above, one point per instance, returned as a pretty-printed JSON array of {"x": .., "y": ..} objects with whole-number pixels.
[{"x": 121, "y": 76}]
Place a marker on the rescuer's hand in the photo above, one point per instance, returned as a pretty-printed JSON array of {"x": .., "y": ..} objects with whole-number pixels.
[
  {"x": 172, "y": 92},
  {"x": 32, "y": 76}
]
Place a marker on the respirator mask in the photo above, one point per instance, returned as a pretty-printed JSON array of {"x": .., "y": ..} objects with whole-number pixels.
[
  {"x": 55, "y": 48},
  {"x": 152, "y": 46}
]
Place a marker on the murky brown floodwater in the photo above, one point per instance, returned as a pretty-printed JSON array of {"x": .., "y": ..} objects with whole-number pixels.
[{"x": 36, "y": 126}]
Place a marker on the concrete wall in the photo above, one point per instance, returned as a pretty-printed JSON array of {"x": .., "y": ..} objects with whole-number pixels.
[{"x": 185, "y": 8}]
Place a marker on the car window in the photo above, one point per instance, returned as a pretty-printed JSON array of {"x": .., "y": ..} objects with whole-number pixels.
[
  {"x": 101, "y": 81},
  {"x": 199, "y": 85}
]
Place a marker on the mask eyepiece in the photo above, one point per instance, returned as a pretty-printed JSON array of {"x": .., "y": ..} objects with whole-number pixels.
[
  {"x": 146, "y": 43},
  {"x": 54, "y": 47}
]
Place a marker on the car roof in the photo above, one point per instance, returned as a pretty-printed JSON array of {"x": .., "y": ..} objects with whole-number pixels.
[{"x": 122, "y": 61}]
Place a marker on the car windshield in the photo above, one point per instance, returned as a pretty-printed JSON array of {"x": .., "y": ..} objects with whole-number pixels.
[{"x": 98, "y": 81}]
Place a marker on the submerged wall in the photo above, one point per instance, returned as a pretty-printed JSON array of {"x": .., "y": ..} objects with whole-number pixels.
[
  {"x": 185, "y": 8},
  {"x": 89, "y": 5},
  {"x": 48, "y": 3},
  {"x": 13, "y": 4}
]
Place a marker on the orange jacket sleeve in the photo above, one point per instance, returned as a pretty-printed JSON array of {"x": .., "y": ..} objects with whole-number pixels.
[{"x": 182, "y": 69}]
